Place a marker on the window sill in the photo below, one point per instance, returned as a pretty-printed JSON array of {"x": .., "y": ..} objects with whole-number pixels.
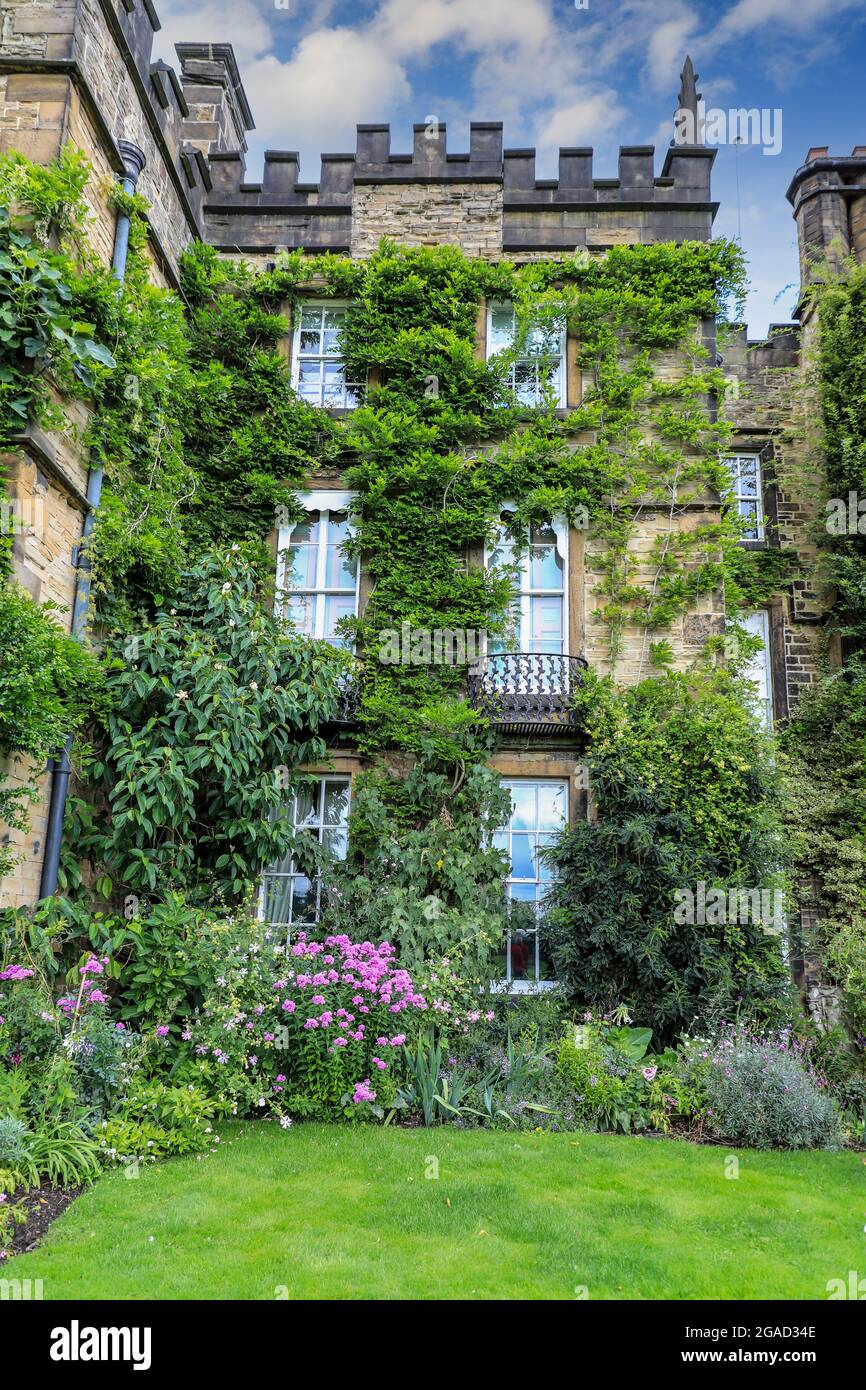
[{"x": 523, "y": 986}]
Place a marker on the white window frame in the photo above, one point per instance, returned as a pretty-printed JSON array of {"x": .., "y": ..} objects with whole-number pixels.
[
  {"x": 325, "y": 502},
  {"x": 509, "y": 985},
  {"x": 318, "y": 825},
  {"x": 559, "y": 378},
  {"x": 759, "y": 670},
  {"x": 526, "y": 592},
  {"x": 347, "y": 402},
  {"x": 740, "y": 498}
]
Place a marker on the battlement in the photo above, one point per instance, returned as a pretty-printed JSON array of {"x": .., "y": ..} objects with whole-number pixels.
[
  {"x": 577, "y": 209},
  {"x": 191, "y": 126},
  {"x": 828, "y": 195}
]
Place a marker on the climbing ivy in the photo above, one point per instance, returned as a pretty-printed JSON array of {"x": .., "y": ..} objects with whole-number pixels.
[{"x": 204, "y": 443}]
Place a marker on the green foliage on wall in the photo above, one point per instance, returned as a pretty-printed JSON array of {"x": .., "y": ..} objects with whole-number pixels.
[
  {"x": 686, "y": 799},
  {"x": 211, "y": 708},
  {"x": 203, "y": 439}
]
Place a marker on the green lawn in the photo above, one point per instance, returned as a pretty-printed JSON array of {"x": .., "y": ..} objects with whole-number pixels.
[{"x": 338, "y": 1212}]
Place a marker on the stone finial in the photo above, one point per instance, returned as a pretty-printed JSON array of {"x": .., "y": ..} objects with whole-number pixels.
[{"x": 688, "y": 125}]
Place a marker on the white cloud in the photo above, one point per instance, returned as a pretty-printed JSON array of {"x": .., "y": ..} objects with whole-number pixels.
[
  {"x": 747, "y": 16},
  {"x": 667, "y": 47},
  {"x": 585, "y": 121},
  {"x": 238, "y": 22},
  {"x": 335, "y": 78}
]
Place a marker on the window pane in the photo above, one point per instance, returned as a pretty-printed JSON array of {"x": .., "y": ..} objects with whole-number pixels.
[
  {"x": 335, "y": 843},
  {"x": 545, "y": 567},
  {"x": 546, "y": 624},
  {"x": 311, "y": 317},
  {"x": 300, "y": 610},
  {"x": 522, "y": 955},
  {"x": 337, "y": 607},
  {"x": 545, "y": 871},
  {"x": 525, "y": 383},
  {"x": 277, "y": 900},
  {"x": 551, "y": 805},
  {"x": 340, "y": 569},
  {"x": 523, "y": 804},
  {"x": 501, "y": 329},
  {"x": 310, "y": 381},
  {"x": 303, "y": 900},
  {"x": 522, "y": 861},
  {"x": 336, "y": 803},
  {"x": 310, "y": 341}
]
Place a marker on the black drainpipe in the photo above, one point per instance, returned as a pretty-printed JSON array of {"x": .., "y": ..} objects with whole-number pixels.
[{"x": 133, "y": 163}]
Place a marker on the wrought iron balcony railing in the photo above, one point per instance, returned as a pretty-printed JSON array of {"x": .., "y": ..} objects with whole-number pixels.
[{"x": 527, "y": 692}]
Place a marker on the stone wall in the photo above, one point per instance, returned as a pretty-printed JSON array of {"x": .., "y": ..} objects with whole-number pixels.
[
  {"x": 769, "y": 406},
  {"x": 464, "y": 215}
]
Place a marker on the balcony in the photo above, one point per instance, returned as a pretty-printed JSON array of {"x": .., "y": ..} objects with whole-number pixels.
[{"x": 527, "y": 692}]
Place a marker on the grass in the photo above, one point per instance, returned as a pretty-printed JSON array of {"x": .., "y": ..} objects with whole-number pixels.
[{"x": 334, "y": 1212}]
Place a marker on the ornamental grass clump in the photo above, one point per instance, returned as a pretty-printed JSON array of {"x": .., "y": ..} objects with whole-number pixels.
[{"x": 762, "y": 1093}]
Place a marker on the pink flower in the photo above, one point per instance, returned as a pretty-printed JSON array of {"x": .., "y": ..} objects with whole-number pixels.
[
  {"x": 97, "y": 997},
  {"x": 649, "y": 1072},
  {"x": 15, "y": 972},
  {"x": 289, "y": 1006},
  {"x": 162, "y": 1031}
]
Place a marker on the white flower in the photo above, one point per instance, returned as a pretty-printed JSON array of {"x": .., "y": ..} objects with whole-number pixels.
[
  {"x": 235, "y": 547},
  {"x": 226, "y": 588},
  {"x": 254, "y": 685},
  {"x": 182, "y": 694},
  {"x": 285, "y": 1122},
  {"x": 232, "y": 622}
]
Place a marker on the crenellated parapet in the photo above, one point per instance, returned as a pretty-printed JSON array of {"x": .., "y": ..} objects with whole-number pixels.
[
  {"x": 91, "y": 61},
  {"x": 828, "y": 195},
  {"x": 536, "y": 215}
]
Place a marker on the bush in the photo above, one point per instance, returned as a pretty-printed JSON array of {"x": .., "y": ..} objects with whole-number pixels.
[
  {"x": 684, "y": 793},
  {"x": 313, "y": 1029},
  {"x": 157, "y": 1120},
  {"x": 14, "y": 1146},
  {"x": 608, "y": 1080},
  {"x": 761, "y": 1093}
]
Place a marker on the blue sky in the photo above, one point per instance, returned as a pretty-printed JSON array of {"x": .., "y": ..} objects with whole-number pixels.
[{"x": 556, "y": 75}]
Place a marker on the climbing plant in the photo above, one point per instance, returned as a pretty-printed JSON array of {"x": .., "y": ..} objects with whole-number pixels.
[{"x": 205, "y": 445}]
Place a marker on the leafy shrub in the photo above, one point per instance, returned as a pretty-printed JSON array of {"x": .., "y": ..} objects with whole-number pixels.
[
  {"x": 418, "y": 874},
  {"x": 761, "y": 1093},
  {"x": 684, "y": 793},
  {"x": 61, "y": 1152},
  {"x": 607, "y": 1080},
  {"x": 14, "y": 1145},
  {"x": 312, "y": 1029},
  {"x": 213, "y": 707},
  {"x": 157, "y": 1120}
]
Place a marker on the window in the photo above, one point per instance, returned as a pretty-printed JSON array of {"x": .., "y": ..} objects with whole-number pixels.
[
  {"x": 318, "y": 373},
  {"x": 538, "y": 811},
  {"x": 745, "y": 471},
  {"x": 318, "y": 582},
  {"x": 540, "y": 369},
  {"x": 319, "y": 809},
  {"x": 759, "y": 670},
  {"x": 540, "y": 609}
]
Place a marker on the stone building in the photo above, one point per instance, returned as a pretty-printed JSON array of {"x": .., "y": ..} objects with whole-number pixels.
[{"x": 81, "y": 71}]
